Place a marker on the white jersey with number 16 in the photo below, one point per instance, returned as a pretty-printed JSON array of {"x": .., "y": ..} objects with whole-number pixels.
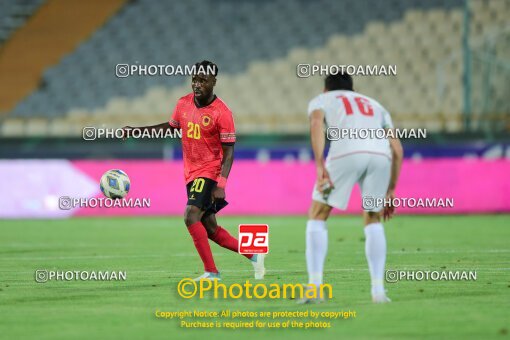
[{"x": 349, "y": 111}]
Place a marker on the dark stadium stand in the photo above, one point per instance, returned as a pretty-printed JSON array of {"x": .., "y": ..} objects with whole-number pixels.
[
  {"x": 181, "y": 32},
  {"x": 14, "y": 14},
  {"x": 260, "y": 57}
]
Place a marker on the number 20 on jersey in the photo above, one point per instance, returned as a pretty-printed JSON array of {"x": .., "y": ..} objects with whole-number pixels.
[{"x": 193, "y": 131}]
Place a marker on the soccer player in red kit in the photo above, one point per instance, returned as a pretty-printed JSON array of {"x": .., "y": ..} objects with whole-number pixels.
[{"x": 208, "y": 138}]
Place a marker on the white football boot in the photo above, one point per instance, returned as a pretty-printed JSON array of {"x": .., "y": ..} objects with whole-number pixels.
[
  {"x": 380, "y": 298},
  {"x": 208, "y": 276},
  {"x": 309, "y": 300}
]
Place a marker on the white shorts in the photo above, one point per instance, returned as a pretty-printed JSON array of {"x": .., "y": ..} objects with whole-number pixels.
[{"x": 371, "y": 171}]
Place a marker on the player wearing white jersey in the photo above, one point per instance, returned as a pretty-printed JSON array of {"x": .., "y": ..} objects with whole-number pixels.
[{"x": 373, "y": 163}]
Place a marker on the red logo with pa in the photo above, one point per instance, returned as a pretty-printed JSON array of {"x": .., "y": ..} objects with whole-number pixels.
[{"x": 253, "y": 239}]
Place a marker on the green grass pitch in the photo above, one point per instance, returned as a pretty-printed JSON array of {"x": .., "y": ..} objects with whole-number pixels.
[{"x": 158, "y": 252}]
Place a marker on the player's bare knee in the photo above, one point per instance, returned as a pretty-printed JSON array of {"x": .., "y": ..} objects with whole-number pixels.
[
  {"x": 371, "y": 217},
  {"x": 189, "y": 219},
  {"x": 319, "y": 211},
  {"x": 210, "y": 224},
  {"x": 210, "y": 231},
  {"x": 192, "y": 215}
]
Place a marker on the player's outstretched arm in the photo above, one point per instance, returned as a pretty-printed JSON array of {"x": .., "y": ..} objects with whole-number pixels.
[
  {"x": 396, "y": 163},
  {"x": 157, "y": 127},
  {"x": 318, "y": 141}
]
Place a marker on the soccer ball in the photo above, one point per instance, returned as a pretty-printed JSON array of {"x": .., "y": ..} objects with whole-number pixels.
[{"x": 115, "y": 184}]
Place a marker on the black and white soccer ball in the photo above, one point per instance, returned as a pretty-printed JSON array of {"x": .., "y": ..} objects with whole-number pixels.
[{"x": 115, "y": 184}]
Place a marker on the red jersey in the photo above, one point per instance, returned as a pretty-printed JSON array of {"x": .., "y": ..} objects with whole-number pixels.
[{"x": 204, "y": 129}]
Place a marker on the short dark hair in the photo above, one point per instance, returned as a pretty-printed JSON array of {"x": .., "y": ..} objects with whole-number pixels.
[
  {"x": 207, "y": 65},
  {"x": 338, "y": 81}
]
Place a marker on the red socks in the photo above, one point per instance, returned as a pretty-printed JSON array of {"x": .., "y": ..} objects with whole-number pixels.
[
  {"x": 224, "y": 239},
  {"x": 221, "y": 237},
  {"x": 199, "y": 235}
]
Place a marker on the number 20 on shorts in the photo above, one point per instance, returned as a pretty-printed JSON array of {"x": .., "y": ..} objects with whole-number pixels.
[{"x": 198, "y": 185}]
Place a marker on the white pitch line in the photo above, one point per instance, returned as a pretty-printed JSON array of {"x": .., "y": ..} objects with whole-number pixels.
[
  {"x": 101, "y": 257},
  {"x": 445, "y": 251},
  {"x": 269, "y": 271},
  {"x": 395, "y": 252}
]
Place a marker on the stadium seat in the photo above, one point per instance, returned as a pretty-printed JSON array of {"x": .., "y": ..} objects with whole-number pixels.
[{"x": 263, "y": 58}]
